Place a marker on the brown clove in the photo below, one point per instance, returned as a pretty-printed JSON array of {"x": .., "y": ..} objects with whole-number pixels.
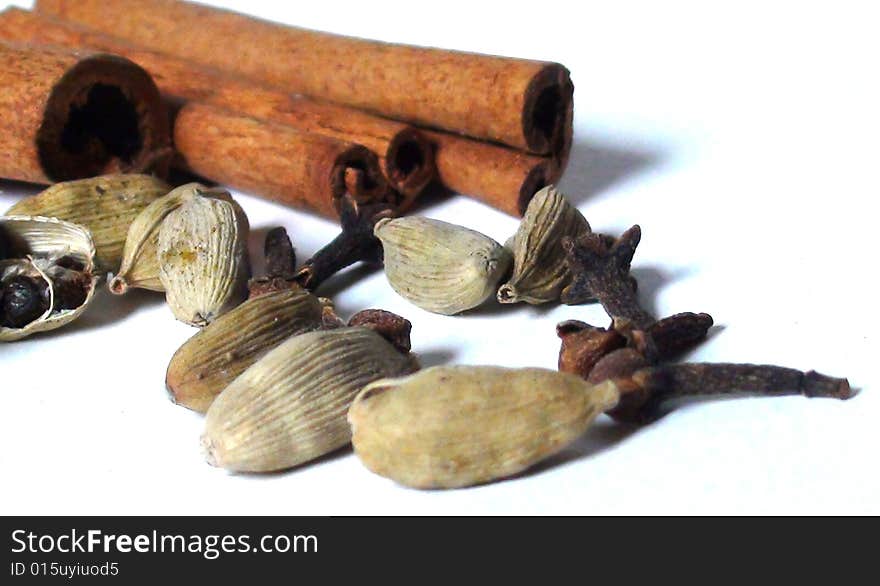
[
  {"x": 280, "y": 258},
  {"x": 280, "y": 254},
  {"x": 356, "y": 243},
  {"x": 584, "y": 345},
  {"x": 644, "y": 387},
  {"x": 602, "y": 272},
  {"x": 390, "y": 326}
]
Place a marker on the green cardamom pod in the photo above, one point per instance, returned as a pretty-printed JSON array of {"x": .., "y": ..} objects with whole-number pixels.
[
  {"x": 540, "y": 270},
  {"x": 290, "y": 406},
  {"x": 222, "y": 350},
  {"x": 203, "y": 257},
  {"x": 455, "y": 426},
  {"x": 106, "y": 206},
  {"x": 440, "y": 267}
]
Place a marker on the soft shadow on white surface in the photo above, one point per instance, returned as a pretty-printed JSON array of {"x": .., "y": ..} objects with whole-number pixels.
[
  {"x": 604, "y": 434},
  {"x": 107, "y": 309},
  {"x": 595, "y": 167},
  {"x": 345, "y": 279},
  {"x": 436, "y": 357},
  {"x": 652, "y": 279}
]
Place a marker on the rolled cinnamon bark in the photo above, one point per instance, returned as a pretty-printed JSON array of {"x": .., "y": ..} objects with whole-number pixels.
[
  {"x": 404, "y": 153},
  {"x": 499, "y": 176},
  {"x": 514, "y": 101},
  {"x": 276, "y": 161},
  {"x": 67, "y": 115}
]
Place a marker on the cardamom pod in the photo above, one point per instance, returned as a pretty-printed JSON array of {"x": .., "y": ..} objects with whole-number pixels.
[
  {"x": 438, "y": 266},
  {"x": 140, "y": 256},
  {"x": 222, "y": 350},
  {"x": 540, "y": 270},
  {"x": 47, "y": 279},
  {"x": 290, "y": 406},
  {"x": 106, "y": 206},
  {"x": 203, "y": 257},
  {"x": 455, "y": 426}
]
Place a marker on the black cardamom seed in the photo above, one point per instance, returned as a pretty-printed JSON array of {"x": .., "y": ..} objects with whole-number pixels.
[{"x": 23, "y": 301}]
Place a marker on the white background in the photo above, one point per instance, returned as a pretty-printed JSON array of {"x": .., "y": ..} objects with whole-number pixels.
[{"x": 744, "y": 140}]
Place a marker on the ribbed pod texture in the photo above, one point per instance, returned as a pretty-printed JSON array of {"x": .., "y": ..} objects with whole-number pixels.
[
  {"x": 203, "y": 260},
  {"x": 106, "y": 206},
  {"x": 290, "y": 407},
  {"x": 225, "y": 348},
  {"x": 455, "y": 426},
  {"x": 540, "y": 270},
  {"x": 441, "y": 267}
]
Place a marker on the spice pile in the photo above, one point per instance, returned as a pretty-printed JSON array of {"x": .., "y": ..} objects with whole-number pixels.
[{"x": 281, "y": 378}]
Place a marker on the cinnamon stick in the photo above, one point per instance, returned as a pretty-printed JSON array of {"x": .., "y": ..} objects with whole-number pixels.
[
  {"x": 514, "y": 101},
  {"x": 276, "y": 161},
  {"x": 404, "y": 153},
  {"x": 66, "y": 115},
  {"x": 499, "y": 176}
]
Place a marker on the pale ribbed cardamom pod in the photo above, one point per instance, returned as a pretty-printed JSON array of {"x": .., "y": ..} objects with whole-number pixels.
[
  {"x": 540, "y": 270},
  {"x": 222, "y": 350},
  {"x": 438, "y": 266},
  {"x": 106, "y": 206},
  {"x": 140, "y": 260},
  {"x": 455, "y": 426},
  {"x": 290, "y": 406},
  {"x": 203, "y": 258}
]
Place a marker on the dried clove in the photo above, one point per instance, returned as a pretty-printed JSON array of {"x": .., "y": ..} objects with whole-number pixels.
[
  {"x": 644, "y": 387},
  {"x": 584, "y": 345},
  {"x": 280, "y": 254},
  {"x": 24, "y": 300},
  {"x": 355, "y": 243},
  {"x": 602, "y": 272},
  {"x": 392, "y": 327},
  {"x": 280, "y": 265}
]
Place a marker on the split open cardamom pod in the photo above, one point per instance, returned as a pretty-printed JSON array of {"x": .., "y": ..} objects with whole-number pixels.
[
  {"x": 290, "y": 406},
  {"x": 47, "y": 279},
  {"x": 540, "y": 270},
  {"x": 456, "y": 426},
  {"x": 203, "y": 258},
  {"x": 222, "y": 350},
  {"x": 106, "y": 206},
  {"x": 441, "y": 267}
]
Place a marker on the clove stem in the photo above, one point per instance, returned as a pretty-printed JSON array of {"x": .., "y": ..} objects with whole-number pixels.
[
  {"x": 355, "y": 243},
  {"x": 679, "y": 380}
]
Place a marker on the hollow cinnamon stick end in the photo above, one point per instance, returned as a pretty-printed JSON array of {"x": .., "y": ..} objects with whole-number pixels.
[
  {"x": 356, "y": 172},
  {"x": 104, "y": 115},
  {"x": 540, "y": 176},
  {"x": 548, "y": 109},
  {"x": 409, "y": 165}
]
